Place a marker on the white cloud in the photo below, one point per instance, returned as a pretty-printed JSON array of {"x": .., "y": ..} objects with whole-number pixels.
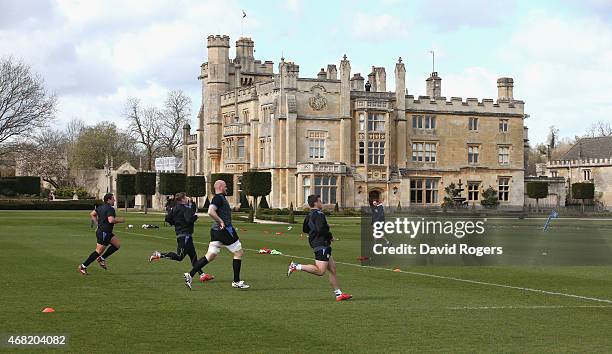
[
  {"x": 95, "y": 54},
  {"x": 562, "y": 72},
  {"x": 378, "y": 27}
]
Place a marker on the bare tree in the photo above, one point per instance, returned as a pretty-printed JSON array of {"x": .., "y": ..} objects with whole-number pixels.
[
  {"x": 25, "y": 104},
  {"x": 553, "y": 136},
  {"x": 45, "y": 155},
  {"x": 599, "y": 129},
  {"x": 177, "y": 110},
  {"x": 74, "y": 128},
  {"x": 145, "y": 126}
]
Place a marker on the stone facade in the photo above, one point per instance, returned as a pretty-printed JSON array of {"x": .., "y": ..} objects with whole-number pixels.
[
  {"x": 348, "y": 140},
  {"x": 595, "y": 170}
]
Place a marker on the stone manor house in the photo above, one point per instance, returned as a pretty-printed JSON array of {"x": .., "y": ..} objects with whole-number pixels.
[{"x": 347, "y": 137}]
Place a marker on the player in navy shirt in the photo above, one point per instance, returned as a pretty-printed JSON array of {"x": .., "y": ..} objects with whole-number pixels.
[
  {"x": 222, "y": 234},
  {"x": 104, "y": 218}
]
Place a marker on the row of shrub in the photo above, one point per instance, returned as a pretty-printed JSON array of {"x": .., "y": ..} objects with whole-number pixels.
[
  {"x": 24, "y": 185},
  {"x": 40, "y": 204}
]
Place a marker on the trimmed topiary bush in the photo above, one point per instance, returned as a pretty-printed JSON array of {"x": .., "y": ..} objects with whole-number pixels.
[
  {"x": 227, "y": 177},
  {"x": 583, "y": 191},
  {"x": 537, "y": 191},
  {"x": 145, "y": 185},
  {"x": 172, "y": 183},
  {"x": 196, "y": 186},
  {"x": 126, "y": 185}
]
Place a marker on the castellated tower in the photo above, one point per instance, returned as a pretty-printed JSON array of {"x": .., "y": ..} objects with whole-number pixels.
[
  {"x": 244, "y": 54},
  {"x": 215, "y": 84}
]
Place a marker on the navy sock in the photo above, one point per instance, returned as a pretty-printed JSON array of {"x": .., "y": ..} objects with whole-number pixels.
[
  {"x": 199, "y": 265},
  {"x": 92, "y": 257},
  {"x": 112, "y": 249},
  {"x": 236, "y": 265}
]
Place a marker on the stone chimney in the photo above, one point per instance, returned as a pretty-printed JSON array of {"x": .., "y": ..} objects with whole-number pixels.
[
  {"x": 505, "y": 87},
  {"x": 332, "y": 72},
  {"x": 357, "y": 82},
  {"x": 434, "y": 85},
  {"x": 322, "y": 75},
  {"x": 381, "y": 79}
]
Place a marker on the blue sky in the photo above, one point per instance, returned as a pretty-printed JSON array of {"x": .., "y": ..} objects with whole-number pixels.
[{"x": 95, "y": 54}]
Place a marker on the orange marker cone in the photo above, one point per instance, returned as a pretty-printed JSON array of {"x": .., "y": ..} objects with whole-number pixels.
[
  {"x": 397, "y": 270},
  {"x": 48, "y": 310}
]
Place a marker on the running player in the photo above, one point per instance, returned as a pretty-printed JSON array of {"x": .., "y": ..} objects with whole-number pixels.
[
  {"x": 319, "y": 237},
  {"x": 222, "y": 234},
  {"x": 104, "y": 218},
  {"x": 182, "y": 215}
]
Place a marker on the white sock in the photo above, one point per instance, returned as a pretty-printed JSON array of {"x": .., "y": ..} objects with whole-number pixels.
[
  {"x": 298, "y": 266},
  {"x": 338, "y": 292}
]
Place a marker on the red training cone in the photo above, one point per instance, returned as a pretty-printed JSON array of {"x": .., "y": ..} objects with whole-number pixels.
[{"x": 48, "y": 310}]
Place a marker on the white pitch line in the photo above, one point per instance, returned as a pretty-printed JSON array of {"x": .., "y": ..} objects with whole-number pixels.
[
  {"x": 540, "y": 291},
  {"x": 526, "y": 307}
]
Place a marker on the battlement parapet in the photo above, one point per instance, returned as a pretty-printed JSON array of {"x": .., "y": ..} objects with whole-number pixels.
[
  {"x": 218, "y": 41},
  {"x": 471, "y": 104},
  {"x": 581, "y": 163}
]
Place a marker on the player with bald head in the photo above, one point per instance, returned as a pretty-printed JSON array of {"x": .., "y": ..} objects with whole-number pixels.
[{"x": 222, "y": 234}]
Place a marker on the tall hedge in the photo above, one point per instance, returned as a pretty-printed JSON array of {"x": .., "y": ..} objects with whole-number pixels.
[
  {"x": 171, "y": 183},
  {"x": 28, "y": 185},
  {"x": 8, "y": 186},
  {"x": 227, "y": 177},
  {"x": 257, "y": 184},
  {"x": 20, "y": 185},
  {"x": 145, "y": 183},
  {"x": 537, "y": 191},
  {"x": 244, "y": 202},
  {"x": 126, "y": 184},
  {"x": 196, "y": 186},
  {"x": 583, "y": 190}
]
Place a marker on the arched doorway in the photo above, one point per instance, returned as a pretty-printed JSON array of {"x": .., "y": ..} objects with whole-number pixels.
[{"x": 374, "y": 194}]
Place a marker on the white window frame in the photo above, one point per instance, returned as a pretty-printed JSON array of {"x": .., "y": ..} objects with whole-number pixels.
[
  {"x": 430, "y": 122},
  {"x": 504, "y": 189},
  {"x": 503, "y": 155},
  {"x": 316, "y": 148},
  {"x": 504, "y": 125},
  {"x": 376, "y": 152},
  {"x": 326, "y": 186},
  {"x": 473, "y": 124},
  {"x": 240, "y": 148},
  {"x": 306, "y": 185},
  {"x": 473, "y": 191},
  {"x": 473, "y": 154},
  {"x": 376, "y": 122},
  {"x": 362, "y": 152},
  {"x": 361, "y": 121}
]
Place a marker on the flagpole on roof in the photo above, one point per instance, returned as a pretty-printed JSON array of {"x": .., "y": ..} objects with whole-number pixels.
[{"x": 244, "y": 15}]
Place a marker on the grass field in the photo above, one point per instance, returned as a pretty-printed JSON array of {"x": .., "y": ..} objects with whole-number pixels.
[{"x": 140, "y": 307}]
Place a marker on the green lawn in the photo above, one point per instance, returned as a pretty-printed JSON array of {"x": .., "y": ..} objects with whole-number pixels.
[{"x": 140, "y": 307}]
